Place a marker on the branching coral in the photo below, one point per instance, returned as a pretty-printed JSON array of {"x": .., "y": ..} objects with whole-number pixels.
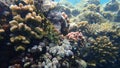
[
  {"x": 103, "y": 52},
  {"x": 27, "y": 25},
  {"x": 100, "y": 37},
  {"x": 38, "y": 44},
  {"x": 95, "y": 29},
  {"x": 22, "y": 9},
  {"x": 86, "y": 28}
]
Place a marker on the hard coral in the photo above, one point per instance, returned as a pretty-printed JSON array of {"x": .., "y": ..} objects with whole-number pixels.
[
  {"x": 44, "y": 5},
  {"x": 75, "y": 36},
  {"x": 92, "y": 17},
  {"x": 20, "y": 9},
  {"x": 27, "y": 25},
  {"x": 103, "y": 52},
  {"x": 60, "y": 21},
  {"x": 112, "y": 4}
]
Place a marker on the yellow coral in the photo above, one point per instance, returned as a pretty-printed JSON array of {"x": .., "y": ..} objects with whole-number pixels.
[
  {"x": 14, "y": 7},
  {"x": 38, "y": 18},
  {"x": 13, "y": 28},
  {"x": 18, "y": 38},
  {"x": 19, "y": 48},
  {"x": 13, "y": 22},
  {"x": 20, "y": 5},
  {"x": 82, "y": 23},
  {"x": 18, "y": 18},
  {"x": 33, "y": 16},
  {"x": 29, "y": 1},
  {"x": 28, "y": 16},
  {"x": 21, "y": 25},
  {"x": 27, "y": 28},
  {"x": 106, "y": 26}
]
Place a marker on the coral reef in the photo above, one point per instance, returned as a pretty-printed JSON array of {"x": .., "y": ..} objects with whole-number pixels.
[
  {"x": 62, "y": 8},
  {"x": 60, "y": 21},
  {"x": 100, "y": 38},
  {"x": 44, "y": 5},
  {"x": 91, "y": 13},
  {"x": 51, "y": 55},
  {"x": 117, "y": 16},
  {"x": 75, "y": 36},
  {"x": 112, "y": 4},
  {"x": 28, "y": 27},
  {"x": 103, "y": 52},
  {"x": 68, "y": 8},
  {"x": 23, "y": 29},
  {"x": 95, "y": 2},
  {"x": 75, "y": 12},
  {"x": 36, "y": 40},
  {"x": 91, "y": 17},
  {"x": 109, "y": 16},
  {"x": 46, "y": 34}
]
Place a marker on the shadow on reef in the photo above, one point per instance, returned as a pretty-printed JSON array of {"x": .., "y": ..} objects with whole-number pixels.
[{"x": 6, "y": 51}]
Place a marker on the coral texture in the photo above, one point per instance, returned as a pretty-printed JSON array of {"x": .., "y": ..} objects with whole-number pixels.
[{"x": 29, "y": 26}]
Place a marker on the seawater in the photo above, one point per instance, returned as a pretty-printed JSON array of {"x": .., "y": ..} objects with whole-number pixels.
[{"x": 77, "y": 1}]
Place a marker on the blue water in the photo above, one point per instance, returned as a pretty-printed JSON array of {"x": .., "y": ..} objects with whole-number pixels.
[
  {"x": 77, "y": 1},
  {"x": 104, "y": 1},
  {"x": 71, "y": 1}
]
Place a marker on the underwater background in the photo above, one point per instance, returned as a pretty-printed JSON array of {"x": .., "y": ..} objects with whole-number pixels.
[
  {"x": 59, "y": 33},
  {"x": 77, "y": 1}
]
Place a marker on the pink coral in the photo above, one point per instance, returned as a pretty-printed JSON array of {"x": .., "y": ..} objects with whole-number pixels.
[{"x": 75, "y": 36}]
